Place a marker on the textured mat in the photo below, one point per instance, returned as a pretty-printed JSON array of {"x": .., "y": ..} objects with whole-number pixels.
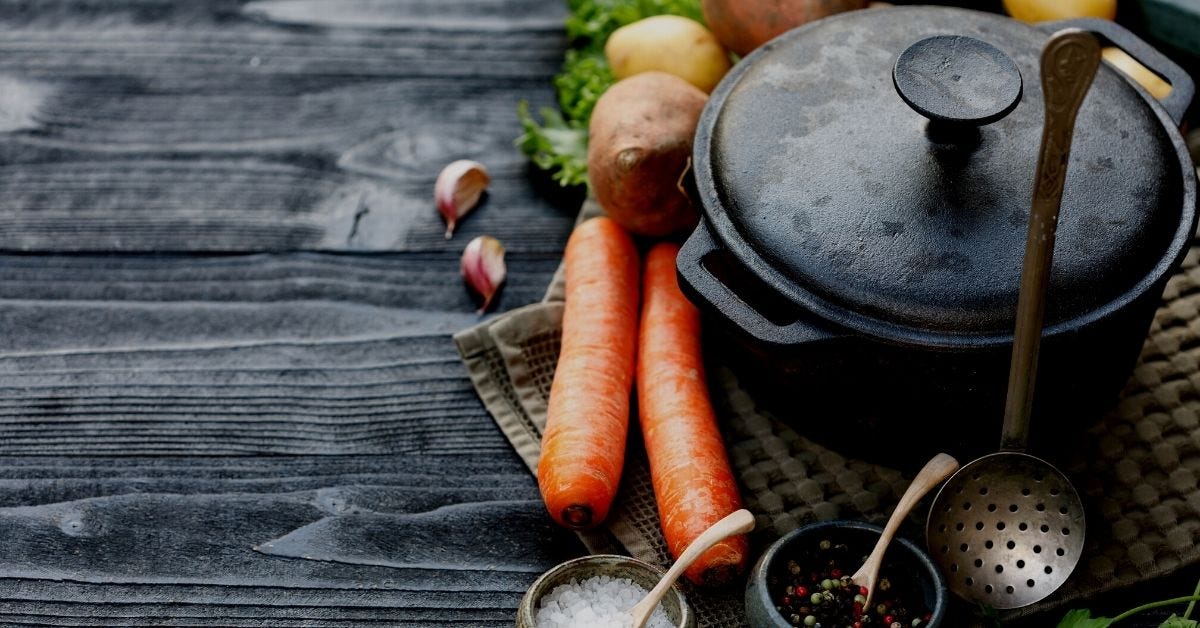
[{"x": 1138, "y": 468}]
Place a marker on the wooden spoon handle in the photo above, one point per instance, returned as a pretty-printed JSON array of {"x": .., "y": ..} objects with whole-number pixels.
[
  {"x": 937, "y": 469},
  {"x": 737, "y": 522}
]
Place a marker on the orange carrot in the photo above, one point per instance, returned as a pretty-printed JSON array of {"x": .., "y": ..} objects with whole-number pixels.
[
  {"x": 693, "y": 482},
  {"x": 583, "y": 448}
]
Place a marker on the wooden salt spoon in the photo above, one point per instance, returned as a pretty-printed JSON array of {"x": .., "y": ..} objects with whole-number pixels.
[
  {"x": 937, "y": 469},
  {"x": 736, "y": 522}
]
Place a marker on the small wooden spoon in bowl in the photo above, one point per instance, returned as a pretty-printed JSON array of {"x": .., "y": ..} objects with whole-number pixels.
[
  {"x": 737, "y": 522},
  {"x": 937, "y": 469}
]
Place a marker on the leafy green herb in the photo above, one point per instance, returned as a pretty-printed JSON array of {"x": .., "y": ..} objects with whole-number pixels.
[
  {"x": 584, "y": 78},
  {"x": 558, "y": 142},
  {"x": 592, "y": 21},
  {"x": 1083, "y": 619},
  {"x": 554, "y": 145},
  {"x": 990, "y": 615}
]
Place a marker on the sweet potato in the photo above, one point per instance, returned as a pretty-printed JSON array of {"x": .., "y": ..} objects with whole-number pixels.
[
  {"x": 743, "y": 25},
  {"x": 639, "y": 149}
]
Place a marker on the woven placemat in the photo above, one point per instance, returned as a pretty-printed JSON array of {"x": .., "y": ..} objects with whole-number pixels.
[{"x": 1138, "y": 467}]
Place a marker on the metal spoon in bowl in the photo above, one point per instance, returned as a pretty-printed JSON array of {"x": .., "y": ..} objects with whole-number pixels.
[
  {"x": 1008, "y": 528},
  {"x": 932, "y": 474},
  {"x": 737, "y": 522}
]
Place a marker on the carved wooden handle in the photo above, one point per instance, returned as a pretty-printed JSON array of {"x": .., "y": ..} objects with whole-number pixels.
[{"x": 1069, "y": 62}]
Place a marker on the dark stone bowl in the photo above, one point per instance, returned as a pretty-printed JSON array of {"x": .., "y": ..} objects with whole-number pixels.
[{"x": 903, "y": 557}]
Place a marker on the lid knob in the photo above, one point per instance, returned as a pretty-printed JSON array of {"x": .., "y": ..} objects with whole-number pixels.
[{"x": 959, "y": 83}]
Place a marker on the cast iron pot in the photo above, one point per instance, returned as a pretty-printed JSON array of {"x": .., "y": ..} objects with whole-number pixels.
[{"x": 865, "y": 197}]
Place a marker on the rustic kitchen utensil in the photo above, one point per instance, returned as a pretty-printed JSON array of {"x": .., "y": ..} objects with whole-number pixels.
[
  {"x": 770, "y": 574},
  {"x": 937, "y": 469},
  {"x": 736, "y": 522},
  {"x": 861, "y": 234},
  {"x": 1008, "y": 528}
]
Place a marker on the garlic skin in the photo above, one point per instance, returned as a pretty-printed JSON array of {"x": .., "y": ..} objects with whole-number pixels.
[
  {"x": 457, "y": 190},
  {"x": 483, "y": 268}
]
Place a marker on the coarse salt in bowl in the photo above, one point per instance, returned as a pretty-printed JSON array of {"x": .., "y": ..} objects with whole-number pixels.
[
  {"x": 599, "y": 601},
  {"x": 597, "y": 592}
]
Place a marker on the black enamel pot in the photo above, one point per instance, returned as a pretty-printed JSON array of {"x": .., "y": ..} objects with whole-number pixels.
[{"x": 865, "y": 203}]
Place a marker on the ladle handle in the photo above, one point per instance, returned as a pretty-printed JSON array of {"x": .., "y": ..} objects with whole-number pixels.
[{"x": 1069, "y": 61}]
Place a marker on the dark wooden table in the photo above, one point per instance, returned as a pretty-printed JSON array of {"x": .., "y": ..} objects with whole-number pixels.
[{"x": 228, "y": 393}]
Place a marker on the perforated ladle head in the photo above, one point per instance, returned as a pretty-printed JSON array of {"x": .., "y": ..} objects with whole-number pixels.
[{"x": 1008, "y": 528}]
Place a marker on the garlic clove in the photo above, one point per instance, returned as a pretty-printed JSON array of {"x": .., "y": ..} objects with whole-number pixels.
[
  {"x": 458, "y": 188},
  {"x": 483, "y": 268}
]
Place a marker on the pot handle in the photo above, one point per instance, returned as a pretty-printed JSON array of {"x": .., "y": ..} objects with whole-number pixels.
[
  {"x": 1182, "y": 87},
  {"x": 708, "y": 291}
]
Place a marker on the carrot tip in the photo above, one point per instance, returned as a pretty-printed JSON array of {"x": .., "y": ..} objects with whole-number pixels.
[{"x": 577, "y": 516}]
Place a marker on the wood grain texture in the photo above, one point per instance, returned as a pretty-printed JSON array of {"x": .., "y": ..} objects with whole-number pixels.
[
  {"x": 266, "y": 126},
  {"x": 228, "y": 394},
  {"x": 256, "y": 440}
]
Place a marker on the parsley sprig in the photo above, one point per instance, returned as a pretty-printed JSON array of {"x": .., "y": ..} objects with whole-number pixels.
[
  {"x": 558, "y": 142},
  {"x": 1082, "y": 618}
]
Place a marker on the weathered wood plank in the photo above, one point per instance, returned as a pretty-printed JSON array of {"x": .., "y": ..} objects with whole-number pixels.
[
  {"x": 172, "y": 363},
  {"x": 273, "y": 126},
  {"x": 117, "y": 547},
  {"x": 238, "y": 540},
  {"x": 426, "y": 281},
  {"x": 411, "y": 483},
  {"x": 163, "y": 415},
  {"x": 240, "y": 355},
  {"x": 172, "y": 540},
  {"x": 391, "y": 394}
]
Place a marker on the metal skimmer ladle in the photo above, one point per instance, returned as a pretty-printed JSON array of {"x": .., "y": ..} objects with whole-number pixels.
[{"x": 1008, "y": 528}]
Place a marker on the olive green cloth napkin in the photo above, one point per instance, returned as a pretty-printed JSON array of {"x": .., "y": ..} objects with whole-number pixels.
[{"x": 1138, "y": 469}]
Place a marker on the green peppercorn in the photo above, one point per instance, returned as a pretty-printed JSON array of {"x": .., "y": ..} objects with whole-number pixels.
[
  {"x": 816, "y": 598},
  {"x": 811, "y": 620}
]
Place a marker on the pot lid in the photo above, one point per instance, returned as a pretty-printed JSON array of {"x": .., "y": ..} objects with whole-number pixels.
[{"x": 851, "y": 167}]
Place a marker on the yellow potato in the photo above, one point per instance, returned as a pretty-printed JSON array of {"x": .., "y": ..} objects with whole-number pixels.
[
  {"x": 1046, "y": 10},
  {"x": 1157, "y": 87},
  {"x": 671, "y": 44}
]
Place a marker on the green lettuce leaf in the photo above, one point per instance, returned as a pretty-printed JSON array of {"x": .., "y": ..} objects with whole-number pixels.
[{"x": 554, "y": 144}]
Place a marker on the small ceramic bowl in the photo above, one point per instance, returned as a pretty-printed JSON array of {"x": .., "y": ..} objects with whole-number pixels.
[
  {"x": 643, "y": 574},
  {"x": 903, "y": 557}
]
